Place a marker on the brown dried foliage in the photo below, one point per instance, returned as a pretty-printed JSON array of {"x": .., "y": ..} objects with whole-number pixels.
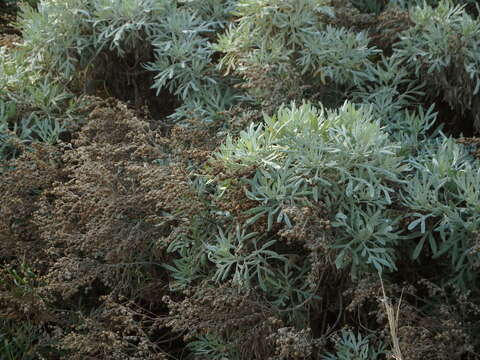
[
  {"x": 439, "y": 332},
  {"x": 384, "y": 29},
  {"x": 89, "y": 218},
  {"x": 22, "y": 183},
  {"x": 293, "y": 344},
  {"x": 100, "y": 223},
  {"x": 117, "y": 330},
  {"x": 233, "y": 314}
]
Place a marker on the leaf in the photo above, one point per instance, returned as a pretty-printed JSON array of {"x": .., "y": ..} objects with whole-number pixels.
[
  {"x": 377, "y": 266},
  {"x": 339, "y": 260},
  {"x": 270, "y": 220},
  {"x": 421, "y": 220},
  {"x": 385, "y": 262},
  {"x": 254, "y": 219},
  {"x": 433, "y": 245},
  {"x": 418, "y": 248}
]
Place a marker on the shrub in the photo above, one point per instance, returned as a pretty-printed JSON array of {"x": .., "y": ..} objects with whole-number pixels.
[
  {"x": 244, "y": 173},
  {"x": 443, "y": 53}
]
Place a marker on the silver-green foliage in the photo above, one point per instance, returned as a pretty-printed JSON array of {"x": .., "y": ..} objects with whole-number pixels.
[
  {"x": 182, "y": 55},
  {"x": 356, "y": 159},
  {"x": 75, "y": 40},
  {"x": 216, "y": 11},
  {"x": 209, "y": 347},
  {"x": 56, "y": 35},
  {"x": 345, "y": 159},
  {"x": 351, "y": 346},
  {"x": 341, "y": 157},
  {"x": 284, "y": 20},
  {"x": 270, "y": 29},
  {"x": 443, "y": 197},
  {"x": 208, "y": 105},
  {"x": 7, "y": 136},
  {"x": 14, "y": 132},
  {"x": 191, "y": 262},
  {"x": 242, "y": 257},
  {"x": 405, "y": 4},
  {"x": 65, "y": 37},
  {"x": 294, "y": 32},
  {"x": 367, "y": 237},
  {"x": 387, "y": 86},
  {"x": 442, "y": 49},
  {"x": 341, "y": 62},
  {"x": 124, "y": 26},
  {"x": 46, "y": 107}
]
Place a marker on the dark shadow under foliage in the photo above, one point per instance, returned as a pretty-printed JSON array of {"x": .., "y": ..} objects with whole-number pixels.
[{"x": 123, "y": 78}]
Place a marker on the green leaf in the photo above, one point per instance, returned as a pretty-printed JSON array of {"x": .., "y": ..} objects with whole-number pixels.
[{"x": 418, "y": 248}]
